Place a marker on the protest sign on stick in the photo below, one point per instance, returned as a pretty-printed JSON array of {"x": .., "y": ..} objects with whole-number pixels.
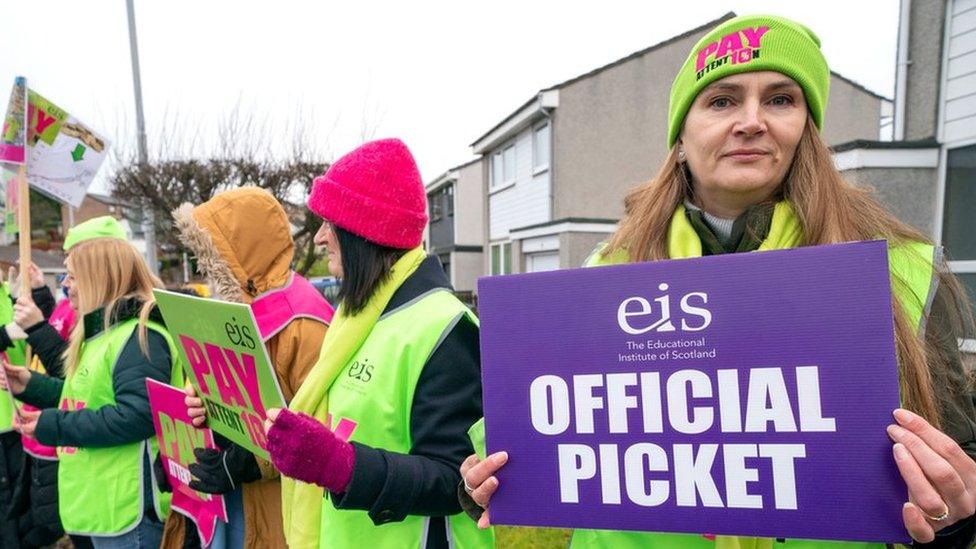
[
  {"x": 741, "y": 394},
  {"x": 177, "y": 439},
  {"x": 226, "y": 362},
  {"x": 13, "y": 137},
  {"x": 63, "y": 153},
  {"x": 13, "y": 153}
]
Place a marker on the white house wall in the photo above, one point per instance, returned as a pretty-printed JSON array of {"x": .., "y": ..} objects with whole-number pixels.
[
  {"x": 959, "y": 110},
  {"x": 524, "y": 203}
]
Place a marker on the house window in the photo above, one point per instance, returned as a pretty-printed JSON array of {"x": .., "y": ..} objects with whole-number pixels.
[
  {"x": 508, "y": 161},
  {"x": 449, "y": 197},
  {"x": 501, "y": 258},
  {"x": 503, "y": 166},
  {"x": 436, "y": 206},
  {"x": 540, "y": 148},
  {"x": 958, "y": 221},
  {"x": 496, "y": 169},
  {"x": 446, "y": 264}
]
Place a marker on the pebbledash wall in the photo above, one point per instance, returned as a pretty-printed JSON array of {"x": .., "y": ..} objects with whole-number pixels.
[{"x": 557, "y": 169}]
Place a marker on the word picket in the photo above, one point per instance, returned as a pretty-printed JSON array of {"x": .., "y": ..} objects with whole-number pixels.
[{"x": 689, "y": 465}]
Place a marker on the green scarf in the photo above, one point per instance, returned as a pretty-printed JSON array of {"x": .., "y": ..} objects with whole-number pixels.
[
  {"x": 784, "y": 232},
  {"x": 301, "y": 503},
  {"x": 684, "y": 241}
]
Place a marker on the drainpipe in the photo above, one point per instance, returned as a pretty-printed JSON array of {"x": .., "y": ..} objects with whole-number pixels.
[
  {"x": 547, "y": 112},
  {"x": 901, "y": 70}
]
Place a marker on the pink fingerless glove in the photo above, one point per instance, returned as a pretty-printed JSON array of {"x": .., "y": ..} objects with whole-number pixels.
[{"x": 304, "y": 449}]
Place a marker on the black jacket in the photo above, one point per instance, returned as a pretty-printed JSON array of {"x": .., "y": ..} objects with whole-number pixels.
[
  {"x": 446, "y": 403},
  {"x": 11, "y": 453},
  {"x": 130, "y": 419},
  {"x": 35, "y": 502},
  {"x": 28, "y": 487},
  {"x": 47, "y": 344}
]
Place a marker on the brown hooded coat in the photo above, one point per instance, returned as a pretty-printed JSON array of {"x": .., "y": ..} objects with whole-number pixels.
[{"x": 242, "y": 241}]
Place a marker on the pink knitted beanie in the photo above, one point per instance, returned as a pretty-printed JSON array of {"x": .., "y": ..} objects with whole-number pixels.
[{"x": 375, "y": 192}]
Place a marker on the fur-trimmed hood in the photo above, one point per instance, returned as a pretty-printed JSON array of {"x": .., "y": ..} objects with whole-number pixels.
[{"x": 242, "y": 241}]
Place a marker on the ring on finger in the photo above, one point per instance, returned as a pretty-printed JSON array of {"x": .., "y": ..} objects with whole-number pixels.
[
  {"x": 942, "y": 517},
  {"x": 467, "y": 488}
]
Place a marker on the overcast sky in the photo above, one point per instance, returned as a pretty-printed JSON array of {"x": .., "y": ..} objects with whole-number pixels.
[{"x": 436, "y": 74}]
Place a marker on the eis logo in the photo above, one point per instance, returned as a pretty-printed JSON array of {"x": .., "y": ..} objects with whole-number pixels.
[
  {"x": 361, "y": 370},
  {"x": 741, "y": 46},
  {"x": 636, "y": 315}
]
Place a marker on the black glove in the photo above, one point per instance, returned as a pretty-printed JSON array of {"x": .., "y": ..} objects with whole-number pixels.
[
  {"x": 222, "y": 471},
  {"x": 162, "y": 481}
]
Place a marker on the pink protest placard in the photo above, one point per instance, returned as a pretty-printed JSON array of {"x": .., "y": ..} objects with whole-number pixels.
[{"x": 177, "y": 439}]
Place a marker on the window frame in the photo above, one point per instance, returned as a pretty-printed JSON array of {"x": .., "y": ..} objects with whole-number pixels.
[
  {"x": 960, "y": 266},
  {"x": 436, "y": 206},
  {"x": 509, "y": 177},
  {"x": 500, "y": 259},
  {"x": 499, "y": 180},
  {"x": 449, "y": 200},
  {"x": 495, "y": 176},
  {"x": 536, "y": 167}
]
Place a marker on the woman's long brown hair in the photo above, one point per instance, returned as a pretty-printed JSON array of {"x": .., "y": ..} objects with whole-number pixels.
[{"x": 830, "y": 210}]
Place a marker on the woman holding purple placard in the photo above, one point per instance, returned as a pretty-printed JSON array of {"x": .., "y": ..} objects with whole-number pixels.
[{"x": 747, "y": 171}]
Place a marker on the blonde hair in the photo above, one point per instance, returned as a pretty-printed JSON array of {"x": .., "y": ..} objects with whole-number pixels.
[
  {"x": 105, "y": 271},
  {"x": 830, "y": 211}
]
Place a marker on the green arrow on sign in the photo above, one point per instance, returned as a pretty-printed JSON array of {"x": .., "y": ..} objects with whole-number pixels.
[{"x": 79, "y": 152}]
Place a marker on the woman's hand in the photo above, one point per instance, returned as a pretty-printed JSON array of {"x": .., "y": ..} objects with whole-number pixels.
[
  {"x": 35, "y": 276},
  {"x": 194, "y": 404},
  {"x": 480, "y": 481},
  {"x": 26, "y": 313},
  {"x": 304, "y": 449},
  {"x": 26, "y": 422},
  {"x": 941, "y": 478},
  {"x": 15, "y": 377}
]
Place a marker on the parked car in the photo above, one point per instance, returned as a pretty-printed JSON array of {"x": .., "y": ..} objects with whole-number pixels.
[{"x": 328, "y": 286}]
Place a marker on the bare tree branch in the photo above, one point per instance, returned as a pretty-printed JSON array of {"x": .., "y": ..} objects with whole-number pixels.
[{"x": 242, "y": 155}]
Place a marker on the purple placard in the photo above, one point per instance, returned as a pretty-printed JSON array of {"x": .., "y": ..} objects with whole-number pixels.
[{"x": 807, "y": 334}]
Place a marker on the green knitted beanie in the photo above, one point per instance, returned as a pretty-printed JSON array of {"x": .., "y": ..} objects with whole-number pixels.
[
  {"x": 751, "y": 43},
  {"x": 105, "y": 226}
]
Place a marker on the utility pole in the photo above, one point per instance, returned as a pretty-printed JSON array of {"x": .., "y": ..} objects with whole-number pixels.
[{"x": 148, "y": 218}]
